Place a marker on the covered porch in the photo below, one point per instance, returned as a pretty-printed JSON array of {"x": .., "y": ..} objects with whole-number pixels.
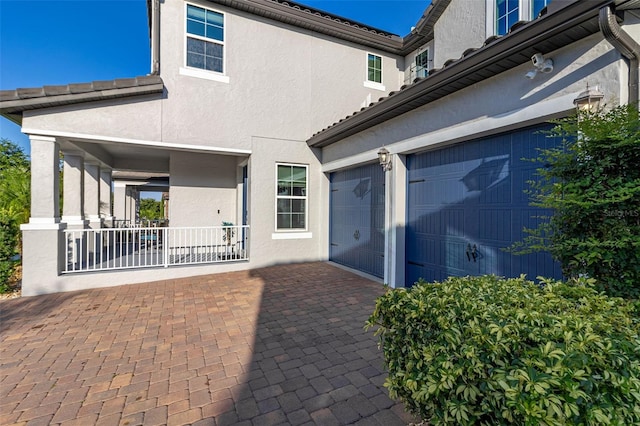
[
  {"x": 98, "y": 228},
  {"x": 95, "y": 147}
]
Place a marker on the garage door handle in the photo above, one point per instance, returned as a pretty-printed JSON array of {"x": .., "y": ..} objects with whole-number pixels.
[
  {"x": 472, "y": 252},
  {"x": 356, "y": 235}
]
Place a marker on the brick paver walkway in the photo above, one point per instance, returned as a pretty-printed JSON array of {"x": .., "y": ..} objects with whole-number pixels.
[{"x": 279, "y": 345}]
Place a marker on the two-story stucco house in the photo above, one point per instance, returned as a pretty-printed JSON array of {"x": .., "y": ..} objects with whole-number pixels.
[{"x": 270, "y": 115}]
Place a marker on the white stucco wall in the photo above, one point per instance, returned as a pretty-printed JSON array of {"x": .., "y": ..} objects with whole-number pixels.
[
  {"x": 136, "y": 118},
  {"x": 284, "y": 82},
  {"x": 202, "y": 189},
  {"x": 268, "y": 245},
  {"x": 461, "y": 26}
]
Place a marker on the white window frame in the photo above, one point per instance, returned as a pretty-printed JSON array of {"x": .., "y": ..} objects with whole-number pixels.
[
  {"x": 374, "y": 84},
  {"x": 415, "y": 60},
  {"x": 525, "y": 13},
  {"x": 295, "y": 232},
  {"x": 199, "y": 72}
]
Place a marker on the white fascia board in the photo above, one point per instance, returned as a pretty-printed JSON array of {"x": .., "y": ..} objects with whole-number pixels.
[
  {"x": 540, "y": 112},
  {"x": 142, "y": 143},
  {"x": 354, "y": 160}
]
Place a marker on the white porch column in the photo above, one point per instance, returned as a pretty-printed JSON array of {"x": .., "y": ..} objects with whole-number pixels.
[
  {"x": 73, "y": 203},
  {"x": 92, "y": 195},
  {"x": 119, "y": 202},
  {"x": 45, "y": 199},
  {"x": 133, "y": 201},
  {"x": 105, "y": 197},
  {"x": 42, "y": 242}
]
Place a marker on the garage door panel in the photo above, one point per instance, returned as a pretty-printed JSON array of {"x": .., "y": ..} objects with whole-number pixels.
[
  {"x": 470, "y": 199},
  {"x": 491, "y": 225},
  {"x": 357, "y": 219}
]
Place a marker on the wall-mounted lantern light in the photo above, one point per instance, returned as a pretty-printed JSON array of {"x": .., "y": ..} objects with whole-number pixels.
[
  {"x": 385, "y": 159},
  {"x": 589, "y": 100}
]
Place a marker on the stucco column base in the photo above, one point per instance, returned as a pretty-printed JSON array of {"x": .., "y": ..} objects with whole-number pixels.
[
  {"x": 95, "y": 222},
  {"x": 43, "y": 259},
  {"x": 75, "y": 224},
  {"x": 107, "y": 221}
]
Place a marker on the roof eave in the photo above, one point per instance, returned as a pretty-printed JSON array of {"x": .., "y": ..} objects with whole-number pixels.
[
  {"x": 13, "y": 109},
  {"x": 335, "y": 27},
  {"x": 523, "y": 38}
]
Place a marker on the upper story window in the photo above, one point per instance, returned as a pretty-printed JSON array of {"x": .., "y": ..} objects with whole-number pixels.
[
  {"x": 507, "y": 14},
  {"x": 205, "y": 39},
  {"x": 502, "y": 14},
  {"x": 422, "y": 64},
  {"x": 291, "y": 197},
  {"x": 374, "y": 68}
]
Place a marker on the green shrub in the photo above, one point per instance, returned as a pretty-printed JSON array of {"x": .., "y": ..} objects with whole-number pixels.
[
  {"x": 488, "y": 350},
  {"x": 8, "y": 239},
  {"x": 592, "y": 184}
]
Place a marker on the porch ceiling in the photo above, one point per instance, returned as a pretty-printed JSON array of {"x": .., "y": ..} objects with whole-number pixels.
[
  {"x": 136, "y": 156},
  {"x": 121, "y": 156}
]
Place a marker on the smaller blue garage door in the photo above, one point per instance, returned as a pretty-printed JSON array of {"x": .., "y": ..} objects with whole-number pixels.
[
  {"x": 466, "y": 203},
  {"x": 357, "y": 219}
]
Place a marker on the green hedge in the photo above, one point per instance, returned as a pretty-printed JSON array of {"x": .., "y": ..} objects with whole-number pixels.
[
  {"x": 488, "y": 350},
  {"x": 8, "y": 237}
]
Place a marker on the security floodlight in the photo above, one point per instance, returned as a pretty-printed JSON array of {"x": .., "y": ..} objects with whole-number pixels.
[{"x": 531, "y": 74}]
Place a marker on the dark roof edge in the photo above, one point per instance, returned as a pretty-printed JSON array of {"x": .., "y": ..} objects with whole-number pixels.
[
  {"x": 424, "y": 29},
  {"x": 326, "y": 23},
  {"x": 524, "y": 37},
  {"x": 318, "y": 21},
  {"x": 14, "y": 102}
]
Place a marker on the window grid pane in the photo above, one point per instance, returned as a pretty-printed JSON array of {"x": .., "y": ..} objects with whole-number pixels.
[
  {"x": 291, "y": 202},
  {"x": 374, "y": 68},
  {"x": 507, "y": 14},
  {"x": 422, "y": 64},
  {"x": 204, "y": 54}
]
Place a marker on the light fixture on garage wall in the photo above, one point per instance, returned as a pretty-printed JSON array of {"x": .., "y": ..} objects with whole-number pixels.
[
  {"x": 589, "y": 100},
  {"x": 385, "y": 159}
]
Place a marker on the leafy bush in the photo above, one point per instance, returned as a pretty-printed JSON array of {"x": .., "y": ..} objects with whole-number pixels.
[
  {"x": 151, "y": 209},
  {"x": 592, "y": 183},
  {"x": 8, "y": 238},
  {"x": 488, "y": 350}
]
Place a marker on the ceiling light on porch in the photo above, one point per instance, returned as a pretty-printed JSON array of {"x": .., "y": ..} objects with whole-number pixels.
[
  {"x": 589, "y": 100},
  {"x": 385, "y": 159}
]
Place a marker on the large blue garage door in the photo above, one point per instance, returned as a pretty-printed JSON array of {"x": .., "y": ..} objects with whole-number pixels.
[
  {"x": 357, "y": 219},
  {"x": 467, "y": 202}
]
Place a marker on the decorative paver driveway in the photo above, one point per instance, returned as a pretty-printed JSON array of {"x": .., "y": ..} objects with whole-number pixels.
[{"x": 278, "y": 345}]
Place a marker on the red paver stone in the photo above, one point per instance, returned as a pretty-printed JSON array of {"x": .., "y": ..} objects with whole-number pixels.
[{"x": 279, "y": 344}]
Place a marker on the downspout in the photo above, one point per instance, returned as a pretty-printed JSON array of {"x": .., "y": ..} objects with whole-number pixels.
[
  {"x": 626, "y": 45},
  {"x": 155, "y": 37}
]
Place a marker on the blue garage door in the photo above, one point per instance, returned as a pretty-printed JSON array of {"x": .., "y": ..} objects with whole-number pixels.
[
  {"x": 357, "y": 219},
  {"x": 467, "y": 202}
]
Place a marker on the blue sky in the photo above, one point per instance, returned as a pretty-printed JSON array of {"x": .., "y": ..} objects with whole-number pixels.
[{"x": 65, "y": 41}]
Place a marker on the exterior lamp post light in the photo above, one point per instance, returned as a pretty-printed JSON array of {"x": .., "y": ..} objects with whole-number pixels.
[
  {"x": 589, "y": 100},
  {"x": 385, "y": 159}
]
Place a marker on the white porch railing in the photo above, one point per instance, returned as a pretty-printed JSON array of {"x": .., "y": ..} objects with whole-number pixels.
[
  {"x": 142, "y": 223},
  {"x": 126, "y": 248}
]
